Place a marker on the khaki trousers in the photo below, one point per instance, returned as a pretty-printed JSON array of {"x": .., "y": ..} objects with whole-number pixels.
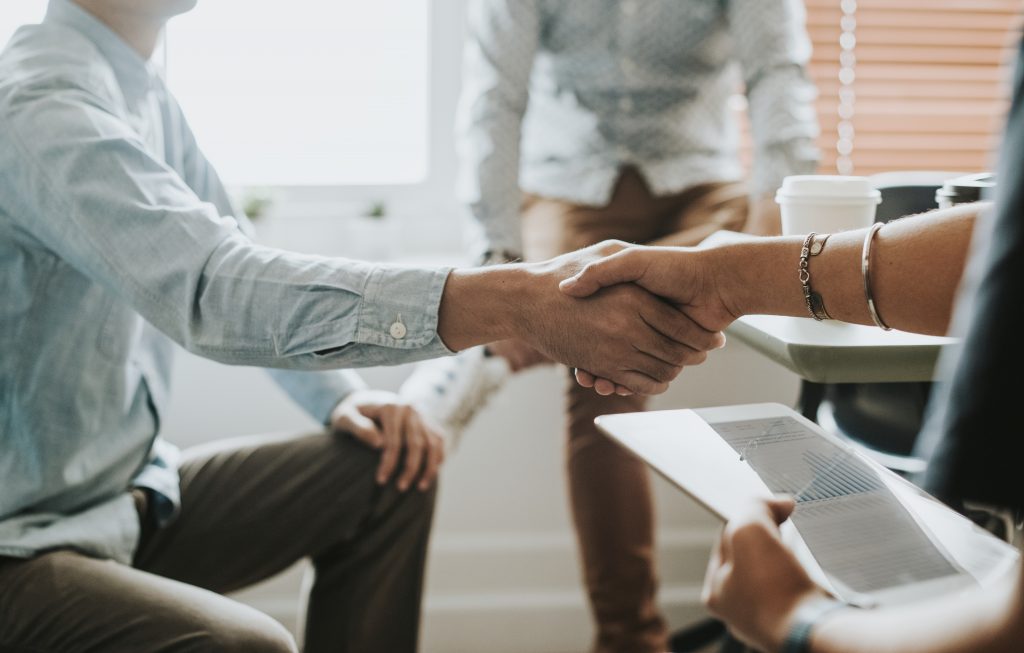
[
  {"x": 250, "y": 508},
  {"x": 609, "y": 489}
]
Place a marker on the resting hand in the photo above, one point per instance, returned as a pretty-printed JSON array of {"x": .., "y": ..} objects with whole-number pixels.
[
  {"x": 382, "y": 421},
  {"x": 754, "y": 583}
]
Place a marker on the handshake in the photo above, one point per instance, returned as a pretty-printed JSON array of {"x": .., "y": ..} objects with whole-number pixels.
[{"x": 628, "y": 318}]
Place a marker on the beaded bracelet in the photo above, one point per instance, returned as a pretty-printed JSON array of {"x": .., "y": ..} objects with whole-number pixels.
[
  {"x": 812, "y": 246},
  {"x": 865, "y": 268}
]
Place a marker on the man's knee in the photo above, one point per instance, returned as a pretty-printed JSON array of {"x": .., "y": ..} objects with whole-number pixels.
[{"x": 257, "y": 634}]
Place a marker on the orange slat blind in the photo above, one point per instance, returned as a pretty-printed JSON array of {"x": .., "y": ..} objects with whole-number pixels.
[{"x": 924, "y": 86}]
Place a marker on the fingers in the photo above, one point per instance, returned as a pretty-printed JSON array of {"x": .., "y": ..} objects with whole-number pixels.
[
  {"x": 415, "y": 448},
  {"x": 434, "y": 458},
  {"x": 625, "y": 266},
  {"x": 639, "y": 383},
  {"x": 603, "y": 387},
  {"x": 361, "y": 427},
  {"x": 690, "y": 339},
  {"x": 392, "y": 420},
  {"x": 654, "y": 367},
  {"x": 758, "y": 525},
  {"x": 780, "y": 508}
]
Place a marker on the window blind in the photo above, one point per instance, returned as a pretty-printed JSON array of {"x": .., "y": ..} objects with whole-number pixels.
[{"x": 910, "y": 84}]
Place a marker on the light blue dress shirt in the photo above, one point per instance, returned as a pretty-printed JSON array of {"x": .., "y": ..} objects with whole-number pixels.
[
  {"x": 559, "y": 95},
  {"x": 118, "y": 240}
]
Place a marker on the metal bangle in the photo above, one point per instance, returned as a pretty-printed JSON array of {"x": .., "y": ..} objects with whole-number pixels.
[
  {"x": 865, "y": 268},
  {"x": 813, "y": 244}
]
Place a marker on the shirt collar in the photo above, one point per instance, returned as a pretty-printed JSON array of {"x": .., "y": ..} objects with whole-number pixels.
[{"x": 133, "y": 72}]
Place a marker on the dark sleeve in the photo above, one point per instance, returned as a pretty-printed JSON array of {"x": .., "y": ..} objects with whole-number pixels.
[{"x": 975, "y": 431}]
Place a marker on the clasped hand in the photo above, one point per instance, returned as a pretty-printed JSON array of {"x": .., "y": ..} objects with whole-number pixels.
[{"x": 681, "y": 280}]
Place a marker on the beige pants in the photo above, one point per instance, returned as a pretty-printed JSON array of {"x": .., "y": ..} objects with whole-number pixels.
[
  {"x": 250, "y": 508},
  {"x": 609, "y": 488}
]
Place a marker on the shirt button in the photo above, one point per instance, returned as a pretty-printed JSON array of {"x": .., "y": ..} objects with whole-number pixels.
[
  {"x": 397, "y": 330},
  {"x": 625, "y": 104}
]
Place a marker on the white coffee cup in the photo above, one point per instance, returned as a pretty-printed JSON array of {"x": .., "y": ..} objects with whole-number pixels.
[{"x": 826, "y": 203}]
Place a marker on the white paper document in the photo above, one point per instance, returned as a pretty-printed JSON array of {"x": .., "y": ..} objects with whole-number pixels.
[
  {"x": 861, "y": 531},
  {"x": 858, "y": 531}
]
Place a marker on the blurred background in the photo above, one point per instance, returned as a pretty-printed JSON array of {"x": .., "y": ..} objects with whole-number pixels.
[{"x": 333, "y": 123}]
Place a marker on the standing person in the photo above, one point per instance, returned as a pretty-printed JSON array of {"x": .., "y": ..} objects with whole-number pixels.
[
  {"x": 583, "y": 120},
  {"x": 117, "y": 238}
]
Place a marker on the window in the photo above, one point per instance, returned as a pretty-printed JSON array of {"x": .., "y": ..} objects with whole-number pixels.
[
  {"x": 306, "y": 92},
  {"x": 19, "y": 12}
]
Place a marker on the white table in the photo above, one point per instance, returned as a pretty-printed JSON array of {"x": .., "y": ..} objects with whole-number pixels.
[{"x": 836, "y": 352}]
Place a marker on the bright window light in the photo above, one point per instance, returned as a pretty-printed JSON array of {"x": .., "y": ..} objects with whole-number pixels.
[
  {"x": 303, "y": 92},
  {"x": 19, "y": 12},
  {"x": 306, "y": 92}
]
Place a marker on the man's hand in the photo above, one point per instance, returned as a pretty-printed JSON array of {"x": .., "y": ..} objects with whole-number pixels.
[
  {"x": 630, "y": 336},
  {"x": 679, "y": 275},
  {"x": 621, "y": 333},
  {"x": 754, "y": 583},
  {"x": 380, "y": 420}
]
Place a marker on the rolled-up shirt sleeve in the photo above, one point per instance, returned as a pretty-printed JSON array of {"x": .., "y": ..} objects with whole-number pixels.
[
  {"x": 771, "y": 43},
  {"x": 93, "y": 194},
  {"x": 502, "y": 40}
]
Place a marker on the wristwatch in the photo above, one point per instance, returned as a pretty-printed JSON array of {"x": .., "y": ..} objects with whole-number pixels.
[{"x": 798, "y": 640}]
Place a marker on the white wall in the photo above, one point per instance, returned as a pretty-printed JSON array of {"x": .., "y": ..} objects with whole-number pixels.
[{"x": 503, "y": 574}]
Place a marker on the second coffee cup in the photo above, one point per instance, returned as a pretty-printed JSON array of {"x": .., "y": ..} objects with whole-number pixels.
[{"x": 826, "y": 203}]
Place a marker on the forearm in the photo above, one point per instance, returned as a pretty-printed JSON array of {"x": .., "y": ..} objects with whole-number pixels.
[
  {"x": 916, "y": 265},
  {"x": 985, "y": 620},
  {"x": 478, "y": 306}
]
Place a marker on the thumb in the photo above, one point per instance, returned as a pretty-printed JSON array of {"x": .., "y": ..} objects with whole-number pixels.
[
  {"x": 362, "y": 428},
  {"x": 622, "y": 267},
  {"x": 780, "y": 507}
]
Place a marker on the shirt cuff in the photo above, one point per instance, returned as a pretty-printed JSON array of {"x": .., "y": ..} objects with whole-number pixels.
[
  {"x": 400, "y": 311},
  {"x": 318, "y": 393},
  {"x": 160, "y": 477}
]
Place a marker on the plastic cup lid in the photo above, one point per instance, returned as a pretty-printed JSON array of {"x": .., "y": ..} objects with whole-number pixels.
[{"x": 828, "y": 187}]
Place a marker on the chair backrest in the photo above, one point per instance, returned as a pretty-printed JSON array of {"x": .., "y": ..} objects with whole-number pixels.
[{"x": 908, "y": 192}]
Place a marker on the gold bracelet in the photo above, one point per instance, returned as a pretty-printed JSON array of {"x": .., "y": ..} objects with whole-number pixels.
[
  {"x": 865, "y": 268},
  {"x": 812, "y": 246}
]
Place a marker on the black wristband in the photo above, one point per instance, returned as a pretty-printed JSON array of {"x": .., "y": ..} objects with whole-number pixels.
[{"x": 798, "y": 640}]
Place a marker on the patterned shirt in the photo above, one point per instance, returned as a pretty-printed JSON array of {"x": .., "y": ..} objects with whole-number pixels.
[
  {"x": 117, "y": 238},
  {"x": 559, "y": 95}
]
